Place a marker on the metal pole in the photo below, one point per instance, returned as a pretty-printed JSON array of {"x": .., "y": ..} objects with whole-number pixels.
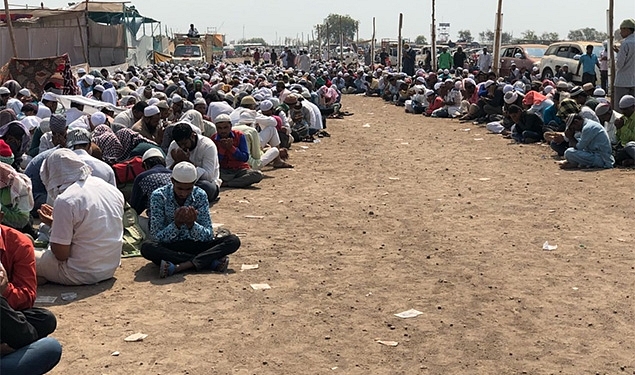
[
  {"x": 433, "y": 51},
  {"x": 497, "y": 38},
  {"x": 7, "y": 13},
  {"x": 399, "y": 47},
  {"x": 612, "y": 53},
  {"x": 372, "y": 47},
  {"x": 341, "y": 41}
]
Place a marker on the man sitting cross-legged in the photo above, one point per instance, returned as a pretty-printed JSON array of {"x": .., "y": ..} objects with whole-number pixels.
[{"x": 181, "y": 225}]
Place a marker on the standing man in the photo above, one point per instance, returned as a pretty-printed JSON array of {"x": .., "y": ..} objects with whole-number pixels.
[
  {"x": 459, "y": 57},
  {"x": 408, "y": 60},
  {"x": 274, "y": 57},
  {"x": 484, "y": 61},
  {"x": 625, "y": 132},
  {"x": 182, "y": 227},
  {"x": 588, "y": 61},
  {"x": 625, "y": 61},
  {"x": 445, "y": 59},
  {"x": 604, "y": 67},
  {"x": 192, "y": 32}
]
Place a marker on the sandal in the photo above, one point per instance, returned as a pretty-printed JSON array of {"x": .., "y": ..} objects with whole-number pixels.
[
  {"x": 324, "y": 133},
  {"x": 220, "y": 265},
  {"x": 166, "y": 269}
]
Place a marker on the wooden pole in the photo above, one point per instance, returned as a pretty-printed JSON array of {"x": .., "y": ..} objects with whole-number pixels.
[
  {"x": 497, "y": 38},
  {"x": 7, "y": 13},
  {"x": 81, "y": 38},
  {"x": 399, "y": 43},
  {"x": 341, "y": 41},
  {"x": 611, "y": 87},
  {"x": 372, "y": 47},
  {"x": 433, "y": 50},
  {"x": 328, "y": 43}
]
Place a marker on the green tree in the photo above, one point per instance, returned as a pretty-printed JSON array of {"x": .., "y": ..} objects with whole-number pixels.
[
  {"x": 587, "y": 34},
  {"x": 550, "y": 37},
  {"x": 253, "y": 41},
  {"x": 332, "y": 25},
  {"x": 466, "y": 35},
  {"x": 421, "y": 40},
  {"x": 529, "y": 35},
  {"x": 487, "y": 37}
]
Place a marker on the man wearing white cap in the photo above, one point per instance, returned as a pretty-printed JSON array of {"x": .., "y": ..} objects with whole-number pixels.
[
  {"x": 233, "y": 156},
  {"x": 148, "y": 126},
  {"x": 49, "y": 100},
  {"x": 177, "y": 108},
  {"x": 625, "y": 155},
  {"x": 607, "y": 117},
  {"x": 5, "y": 95},
  {"x": 86, "y": 84},
  {"x": 78, "y": 140},
  {"x": 592, "y": 149},
  {"x": 97, "y": 92},
  {"x": 181, "y": 226},
  {"x": 129, "y": 117},
  {"x": 81, "y": 251},
  {"x": 625, "y": 61}
]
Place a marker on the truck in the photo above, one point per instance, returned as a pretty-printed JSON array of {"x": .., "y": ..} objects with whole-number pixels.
[{"x": 197, "y": 50}]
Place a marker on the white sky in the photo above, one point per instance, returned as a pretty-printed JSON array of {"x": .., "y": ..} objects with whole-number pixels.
[{"x": 268, "y": 18}]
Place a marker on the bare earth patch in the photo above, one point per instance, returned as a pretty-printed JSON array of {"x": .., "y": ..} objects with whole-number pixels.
[{"x": 408, "y": 213}]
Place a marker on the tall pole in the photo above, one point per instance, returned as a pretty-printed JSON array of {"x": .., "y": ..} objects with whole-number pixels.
[
  {"x": 399, "y": 41},
  {"x": 612, "y": 54},
  {"x": 372, "y": 47},
  {"x": 433, "y": 51},
  {"x": 341, "y": 41},
  {"x": 328, "y": 43},
  {"x": 7, "y": 13},
  {"x": 497, "y": 38}
]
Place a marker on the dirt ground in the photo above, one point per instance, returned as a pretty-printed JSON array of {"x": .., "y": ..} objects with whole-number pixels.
[{"x": 409, "y": 213}]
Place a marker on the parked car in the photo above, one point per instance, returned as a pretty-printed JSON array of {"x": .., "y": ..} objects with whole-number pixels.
[
  {"x": 524, "y": 55},
  {"x": 569, "y": 53}
]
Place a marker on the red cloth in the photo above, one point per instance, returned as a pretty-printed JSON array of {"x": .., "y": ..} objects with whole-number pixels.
[
  {"x": 18, "y": 259},
  {"x": 436, "y": 104},
  {"x": 231, "y": 159}
]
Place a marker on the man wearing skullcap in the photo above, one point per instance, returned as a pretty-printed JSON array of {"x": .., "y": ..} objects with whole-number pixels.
[
  {"x": 148, "y": 125},
  {"x": 56, "y": 136},
  {"x": 625, "y": 155},
  {"x": 181, "y": 226},
  {"x": 607, "y": 117},
  {"x": 78, "y": 140},
  {"x": 592, "y": 149},
  {"x": 80, "y": 250},
  {"x": 625, "y": 61}
]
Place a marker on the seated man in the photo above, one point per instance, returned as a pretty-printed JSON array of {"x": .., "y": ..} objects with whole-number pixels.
[
  {"x": 593, "y": 150},
  {"x": 233, "y": 154},
  {"x": 182, "y": 227},
  {"x": 79, "y": 141},
  {"x": 200, "y": 151},
  {"x": 16, "y": 198},
  {"x": 528, "y": 126},
  {"x": 23, "y": 328},
  {"x": 56, "y": 136},
  {"x": 148, "y": 125},
  {"x": 155, "y": 176},
  {"x": 625, "y": 126},
  {"x": 88, "y": 122},
  {"x": 80, "y": 250}
]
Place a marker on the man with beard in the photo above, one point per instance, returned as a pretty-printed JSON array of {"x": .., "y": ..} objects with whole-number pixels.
[{"x": 148, "y": 126}]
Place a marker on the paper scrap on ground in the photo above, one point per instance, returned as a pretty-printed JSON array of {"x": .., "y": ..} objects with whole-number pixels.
[
  {"x": 548, "y": 247},
  {"x": 45, "y": 299},
  {"x": 478, "y": 139},
  {"x": 405, "y": 143},
  {"x": 366, "y": 126},
  {"x": 574, "y": 288},
  {"x": 114, "y": 354},
  {"x": 136, "y": 337},
  {"x": 394, "y": 178},
  {"x": 69, "y": 296},
  {"x": 260, "y": 286},
  {"x": 254, "y": 217},
  {"x": 412, "y": 313},
  {"x": 305, "y": 147},
  {"x": 484, "y": 179},
  {"x": 243, "y": 201},
  {"x": 248, "y": 267},
  {"x": 466, "y": 129},
  {"x": 387, "y": 343}
]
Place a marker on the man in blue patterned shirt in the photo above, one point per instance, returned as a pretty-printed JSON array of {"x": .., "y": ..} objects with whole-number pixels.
[{"x": 181, "y": 226}]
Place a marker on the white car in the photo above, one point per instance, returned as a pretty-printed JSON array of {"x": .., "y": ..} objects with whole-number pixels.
[{"x": 569, "y": 53}]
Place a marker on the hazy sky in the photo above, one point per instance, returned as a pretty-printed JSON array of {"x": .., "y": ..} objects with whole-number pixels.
[{"x": 265, "y": 18}]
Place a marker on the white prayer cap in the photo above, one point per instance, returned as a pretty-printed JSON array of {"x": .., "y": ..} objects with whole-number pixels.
[
  {"x": 488, "y": 83},
  {"x": 222, "y": 118},
  {"x": 266, "y": 105},
  {"x": 510, "y": 97},
  {"x": 24, "y": 92},
  {"x": 599, "y": 92},
  {"x": 176, "y": 98},
  {"x": 152, "y": 153},
  {"x": 99, "y": 88},
  {"x": 627, "y": 101},
  {"x": 151, "y": 110},
  {"x": 89, "y": 79},
  {"x": 159, "y": 87},
  {"x": 98, "y": 118},
  {"x": 153, "y": 101},
  {"x": 602, "y": 109},
  {"x": 81, "y": 71},
  {"x": 508, "y": 88},
  {"x": 4, "y": 91},
  {"x": 184, "y": 172},
  {"x": 49, "y": 96}
]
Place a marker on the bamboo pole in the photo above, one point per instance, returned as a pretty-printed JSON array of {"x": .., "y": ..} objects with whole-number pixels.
[
  {"x": 497, "y": 38},
  {"x": 433, "y": 50},
  {"x": 612, "y": 53},
  {"x": 81, "y": 38},
  {"x": 399, "y": 46},
  {"x": 341, "y": 41},
  {"x": 7, "y": 13}
]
